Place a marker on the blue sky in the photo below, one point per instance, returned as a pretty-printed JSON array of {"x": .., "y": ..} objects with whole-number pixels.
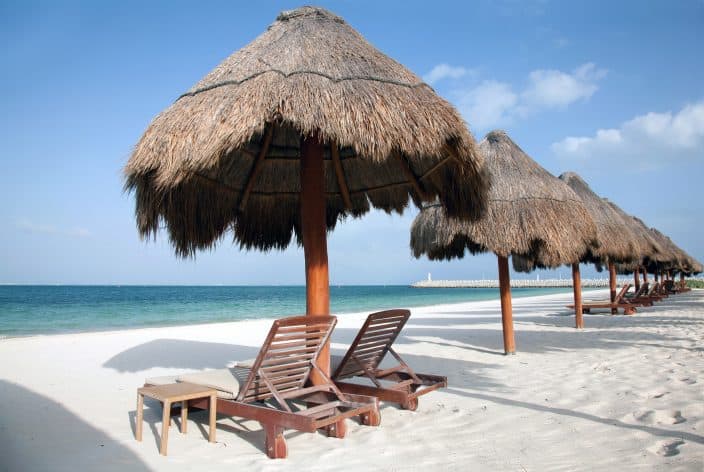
[{"x": 611, "y": 90}]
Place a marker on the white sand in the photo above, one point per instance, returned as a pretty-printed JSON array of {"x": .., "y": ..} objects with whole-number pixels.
[{"x": 623, "y": 394}]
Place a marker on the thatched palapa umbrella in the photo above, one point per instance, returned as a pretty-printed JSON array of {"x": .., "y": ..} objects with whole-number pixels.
[
  {"x": 648, "y": 249},
  {"x": 670, "y": 258},
  {"x": 306, "y": 124},
  {"x": 531, "y": 215},
  {"x": 616, "y": 241}
]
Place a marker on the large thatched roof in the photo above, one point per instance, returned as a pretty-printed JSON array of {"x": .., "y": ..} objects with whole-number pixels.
[
  {"x": 670, "y": 256},
  {"x": 531, "y": 215},
  {"x": 648, "y": 248},
  {"x": 617, "y": 243},
  {"x": 226, "y": 154}
]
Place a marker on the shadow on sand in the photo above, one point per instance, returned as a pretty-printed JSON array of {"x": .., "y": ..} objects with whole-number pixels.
[{"x": 37, "y": 433}]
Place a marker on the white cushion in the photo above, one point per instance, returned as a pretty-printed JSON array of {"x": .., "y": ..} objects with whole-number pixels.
[{"x": 226, "y": 381}]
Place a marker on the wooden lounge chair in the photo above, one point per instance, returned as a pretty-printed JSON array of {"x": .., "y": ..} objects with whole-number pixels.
[
  {"x": 398, "y": 384},
  {"x": 656, "y": 292},
  {"x": 649, "y": 295},
  {"x": 642, "y": 290},
  {"x": 639, "y": 297},
  {"x": 274, "y": 391},
  {"x": 619, "y": 303}
]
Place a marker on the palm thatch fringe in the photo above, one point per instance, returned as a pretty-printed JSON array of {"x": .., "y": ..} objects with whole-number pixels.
[
  {"x": 617, "y": 243},
  {"x": 647, "y": 248}
]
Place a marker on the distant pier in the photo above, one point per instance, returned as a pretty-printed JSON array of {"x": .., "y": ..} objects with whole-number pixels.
[{"x": 516, "y": 283}]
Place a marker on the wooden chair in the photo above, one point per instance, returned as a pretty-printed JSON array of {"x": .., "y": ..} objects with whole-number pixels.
[
  {"x": 398, "y": 384},
  {"x": 639, "y": 297},
  {"x": 275, "y": 392},
  {"x": 649, "y": 295},
  {"x": 642, "y": 290},
  {"x": 619, "y": 303},
  {"x": 655, "y": 293}
]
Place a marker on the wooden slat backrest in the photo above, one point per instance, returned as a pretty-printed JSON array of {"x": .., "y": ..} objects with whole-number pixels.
[
  {"x": 372, "y": 342},
  {"x": 622, "y": 293},
  {"x": 286, "y": 358}
]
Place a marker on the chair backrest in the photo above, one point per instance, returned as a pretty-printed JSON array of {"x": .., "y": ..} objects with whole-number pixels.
[
  {"x": 372, "y": 342},
  {"x": 287, "y": 356},
  {"x": 641, "y": 291},
  {"x": 622, "y": 293}
]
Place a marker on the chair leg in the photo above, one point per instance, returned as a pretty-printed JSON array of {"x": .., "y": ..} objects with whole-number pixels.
[
  {"x": 373, "y": 418},
  {"x": 411, "y": 404},
  {"x": 165, "y": 421},
  {"x": 275, "y": 442},
  {"x": 184, "y": 416},
  {"x": 212, "y": 410},
  {"x": 140, "y": 417},
  {"x": 337, "y": 430}
]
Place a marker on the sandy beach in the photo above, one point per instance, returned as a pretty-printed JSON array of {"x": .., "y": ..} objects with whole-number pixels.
[{"x": 623, "y": 394}]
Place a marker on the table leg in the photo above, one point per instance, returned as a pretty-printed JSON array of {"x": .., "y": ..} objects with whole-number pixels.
[
  {"x": 166, "y": 417},
  {"x": 140, "y": 416},
  {"x": 184, "y": 416},
  {"x": 213, "y": 408}
]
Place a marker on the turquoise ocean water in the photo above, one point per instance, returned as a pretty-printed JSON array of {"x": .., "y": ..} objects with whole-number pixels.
[{"x": 40, "y": 309}]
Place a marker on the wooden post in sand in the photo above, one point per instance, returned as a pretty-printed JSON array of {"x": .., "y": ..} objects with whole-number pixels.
[
  {"x": 612, "y": 286},
  {"x": 506, "y": 308},
  {"x": 645, "y": 275},
  {"x": 577, "y": 289},
  {"x": 315, "y": 248},
  {"x": 636, "y": 278}
]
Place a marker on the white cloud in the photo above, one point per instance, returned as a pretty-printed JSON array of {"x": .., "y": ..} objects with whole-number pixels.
[
  {"x": 487, "y": 105},
  {"x": 493, "y": 103},
  {"x": 549, "y": 88},
  {"x": 648, "y": 139},
  {"x": 26, "y": 225},
  {"x": 444, "y": 71}
]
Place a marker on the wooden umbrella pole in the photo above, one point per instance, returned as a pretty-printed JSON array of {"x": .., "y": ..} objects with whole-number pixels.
[
  {"x": 612, "y": 286},
  {"x": 313, "y": 229},
  {"x": 645, "y": 275},
  {"x": 577, "y": 287},
  {"x": 506, "y": 309},
  {"x": 636, "y": 278}
]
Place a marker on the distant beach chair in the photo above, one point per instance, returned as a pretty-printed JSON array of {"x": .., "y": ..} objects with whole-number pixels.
[
  {"x": 274, "y": 390},
  {"x": 650, "y": 294},
  {"x": 657, "y": 292},
  {"x": 620, "y": 302},
  {"x": 638, "y": 293},
  {"x": 398, "y": 384}
]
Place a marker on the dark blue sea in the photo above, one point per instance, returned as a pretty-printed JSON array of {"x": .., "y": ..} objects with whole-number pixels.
[{"x": 27, "y": 310}]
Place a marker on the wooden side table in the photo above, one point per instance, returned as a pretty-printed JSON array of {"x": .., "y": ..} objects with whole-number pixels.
[{"x": 172, "y": 393}]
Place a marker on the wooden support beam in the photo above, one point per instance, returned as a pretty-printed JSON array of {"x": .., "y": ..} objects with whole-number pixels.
[
  {"x": 577, "y": 289},
  {"x": 612, "y": 286},
  {"x": 340, "y": 173},
  {"x": 257, "y": 166},
  {"x": 314, "y": 235},
  {"x": 412, "y": 178},
  {"x": 506, "y": 308},
  {"x": 636, "y": 278}
]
